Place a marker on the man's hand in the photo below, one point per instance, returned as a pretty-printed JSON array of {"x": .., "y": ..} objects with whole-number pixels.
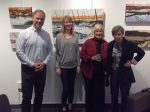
[{"x": 39, "y": 66}]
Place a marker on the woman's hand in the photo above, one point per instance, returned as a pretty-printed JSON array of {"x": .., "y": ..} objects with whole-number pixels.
[
  {"x": 128, "y": 64},
  {"x": 78, "y": 70},
  {"x": 96, "y": 57},
  {"x": 58, "y": 71}
]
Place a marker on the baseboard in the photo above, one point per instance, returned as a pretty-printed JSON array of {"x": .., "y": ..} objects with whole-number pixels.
[
  {"x": 48, "y": 105},
  {"x": 55, "y": 105}
]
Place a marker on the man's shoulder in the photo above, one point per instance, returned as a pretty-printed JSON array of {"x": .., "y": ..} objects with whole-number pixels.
[
  {"x": 46, "y": 33},
  {"x": 26, "y": 30},
  {"x": 43, "y": 30}
]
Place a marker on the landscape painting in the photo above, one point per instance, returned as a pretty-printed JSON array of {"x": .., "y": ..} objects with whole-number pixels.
[
  {"x": 140, "y": 37},
  {"x": 13, "y": 37},
  {"x": 137, "y": 14},
  {"x": 20, "y": 17},
  {"x": 84, "y": 20}
]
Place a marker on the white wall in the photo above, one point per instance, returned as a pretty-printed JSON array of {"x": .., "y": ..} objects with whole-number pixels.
[{"x": 10, "y": 65}]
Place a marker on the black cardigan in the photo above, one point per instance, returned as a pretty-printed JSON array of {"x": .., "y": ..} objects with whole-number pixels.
[{"x": 128, "y": 51}]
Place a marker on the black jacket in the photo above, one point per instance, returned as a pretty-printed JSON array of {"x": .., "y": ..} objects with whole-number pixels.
[{"x": 128, "y": 51}]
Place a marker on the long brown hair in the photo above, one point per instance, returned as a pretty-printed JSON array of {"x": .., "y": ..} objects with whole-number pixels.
[{"x": 63, "y": 26}]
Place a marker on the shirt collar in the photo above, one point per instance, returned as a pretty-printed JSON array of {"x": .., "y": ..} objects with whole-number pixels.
[{"x": 34, "y": 29}]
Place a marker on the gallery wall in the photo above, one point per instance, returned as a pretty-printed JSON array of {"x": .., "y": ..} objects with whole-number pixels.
[{"x": 10, "y": 65}]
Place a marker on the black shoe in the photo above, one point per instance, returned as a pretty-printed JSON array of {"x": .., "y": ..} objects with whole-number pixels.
[
  {"x": 69, "y": 107},
  {"x": 64, "y": 109}
]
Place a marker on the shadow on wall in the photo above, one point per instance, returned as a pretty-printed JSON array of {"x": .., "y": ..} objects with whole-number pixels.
[
  {"x": 53, "y": 84},
  {"x": 140, "y": 82},
  {"x": 79, "y": 93},
  {"x": 53, "y": 87}
]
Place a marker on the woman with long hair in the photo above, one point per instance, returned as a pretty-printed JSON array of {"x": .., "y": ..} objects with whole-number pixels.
[{"x": 67, "y": 61}]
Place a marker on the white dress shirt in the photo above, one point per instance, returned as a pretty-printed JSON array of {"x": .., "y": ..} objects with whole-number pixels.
[{"x": 33, "y": 46}]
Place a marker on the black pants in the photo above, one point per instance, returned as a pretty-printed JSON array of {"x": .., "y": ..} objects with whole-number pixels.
[
  {"x": 116, "y": 85},
  {"x": 68, "y": 80},
  {"x": 32, "y": 79},
  {"x": 95, "y": 91}
]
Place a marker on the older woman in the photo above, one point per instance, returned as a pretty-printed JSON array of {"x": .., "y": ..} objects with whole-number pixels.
[
  {"x": 93, "y": 58},
  {"x": 120, "y": 57}
]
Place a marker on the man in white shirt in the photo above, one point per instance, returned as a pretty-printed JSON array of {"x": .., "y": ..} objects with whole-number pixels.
[{"x": 33, "y": 49}]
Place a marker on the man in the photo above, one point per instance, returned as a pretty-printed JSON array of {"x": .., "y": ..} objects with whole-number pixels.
[{"x": 33, "y": 48}]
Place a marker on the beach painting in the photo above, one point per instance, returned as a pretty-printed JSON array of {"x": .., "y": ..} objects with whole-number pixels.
[
  {"x": 20, "y": 17},
  {"x": 13, "y": 37},
  {"x": 137, "y": 14},
  {"x": 84, "y": 20},
  {"x": 140, "y": 37}
]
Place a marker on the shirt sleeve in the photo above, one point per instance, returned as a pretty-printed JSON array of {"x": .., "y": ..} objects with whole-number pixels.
[
  {"x": 20, "y": 48},
  {"x": 140, "y": 54},
  {"x": 133, "y": 61}
]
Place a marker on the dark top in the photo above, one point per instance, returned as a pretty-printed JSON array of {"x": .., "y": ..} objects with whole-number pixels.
[
  {"x": 128, "y": 51},
  {"x": 88, "y": 50}
]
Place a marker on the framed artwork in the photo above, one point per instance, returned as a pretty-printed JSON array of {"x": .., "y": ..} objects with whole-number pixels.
[
  {"x": 137, "y": 14},
  {"x": 13, "y": 37},
  {"x": 84, "y": 20},
  {"x": 140, "y": 37},
  {"x": 20, "y": 17}
]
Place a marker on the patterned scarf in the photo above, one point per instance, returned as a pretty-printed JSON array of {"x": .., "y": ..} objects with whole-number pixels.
[{"x": 116, "y": 54}]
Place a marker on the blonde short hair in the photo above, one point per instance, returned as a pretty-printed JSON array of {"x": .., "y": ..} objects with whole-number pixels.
[{"x": 98, "y": 27}]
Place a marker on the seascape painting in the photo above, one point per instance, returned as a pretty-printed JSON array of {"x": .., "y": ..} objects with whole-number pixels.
[
  {"x": 84, "y": 20},
  {"x": 140, "y": 37},
  {"x": 20, "y": 17},
  {"x": 13, "y": 37},
  {"x": 137, "y": 14}
]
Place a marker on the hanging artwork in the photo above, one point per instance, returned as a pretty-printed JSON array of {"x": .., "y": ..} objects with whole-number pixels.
[
  {"x": 13, "y": 37},
  {"x": 140, "y": 37},
  {"x": 137, "y": 14},
  {"x": 84, "y": 20},
  {"x": 20, "y": 17}
]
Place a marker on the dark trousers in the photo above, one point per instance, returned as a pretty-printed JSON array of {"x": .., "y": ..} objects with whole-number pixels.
[
  {"x": 32, "y": 79},
  {"x": 95, "y": 91},
  {"x": 68, "y": 80},
  {"x": 116, "y": 85}
]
